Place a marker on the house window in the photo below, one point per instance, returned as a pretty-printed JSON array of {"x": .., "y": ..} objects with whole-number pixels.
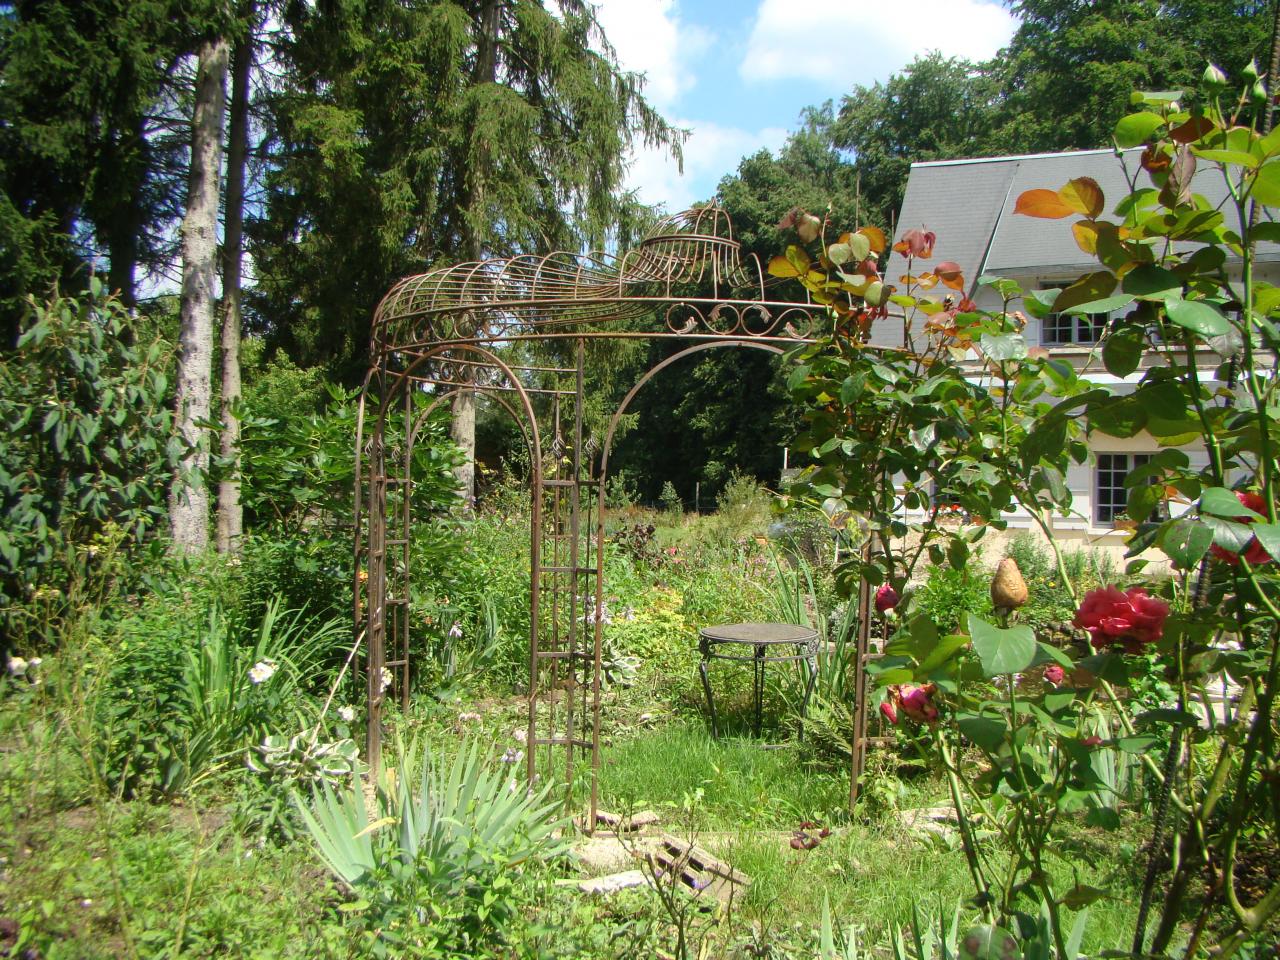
[
  {"x": 1065, "y": 329},
  {"x": 1110, "y": 494}
]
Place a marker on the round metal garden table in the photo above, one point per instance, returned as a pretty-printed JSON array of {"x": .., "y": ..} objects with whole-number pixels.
[{"x": 759, "y": 644}]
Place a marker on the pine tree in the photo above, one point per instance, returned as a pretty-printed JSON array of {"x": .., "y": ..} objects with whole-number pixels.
[{"x": 413, "y": 133}]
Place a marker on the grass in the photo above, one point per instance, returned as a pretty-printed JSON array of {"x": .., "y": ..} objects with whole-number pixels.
[{"x": 696, "y": 782}]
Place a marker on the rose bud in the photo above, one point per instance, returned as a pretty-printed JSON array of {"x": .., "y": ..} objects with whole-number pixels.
[
  {"x": 1213, "y": 78},
  {"x": 1054, "y": 674},
  {"x": 1092, "y": 741},
  {"x": 1008, "y": 589},
  {"x": 886, "y": 598},
  {"x": 890, "y": 712}
]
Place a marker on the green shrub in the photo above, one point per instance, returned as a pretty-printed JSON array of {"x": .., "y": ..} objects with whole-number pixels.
[
  {"x": 88, "y": 441},
  {"x": 948, "y": 593}
]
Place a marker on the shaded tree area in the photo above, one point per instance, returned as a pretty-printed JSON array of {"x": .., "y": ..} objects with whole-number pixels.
[
  {"x": 92, "y": 146},
  {"x": 936, "y": 109},
  {"x": 726, "y": 410}
]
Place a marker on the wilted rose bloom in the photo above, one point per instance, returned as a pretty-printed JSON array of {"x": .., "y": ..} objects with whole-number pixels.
[
  {"x": 886, "y": 598},
  {"x": 916, "y": 702},
  {"x": 1131, "y": 617},
  {"x": 1054, "y": 674},
  {"x": 1253, "y": 551}
]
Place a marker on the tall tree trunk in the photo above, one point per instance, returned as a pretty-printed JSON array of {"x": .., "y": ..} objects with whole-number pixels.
[
  {"x": 189, "y": 498},
  {"x": 230, "y": 512},
  {"x": 463, "y": 426},
  {"x": 126, "y": 165}
]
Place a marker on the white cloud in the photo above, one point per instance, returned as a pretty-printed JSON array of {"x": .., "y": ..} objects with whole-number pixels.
[
  {"x": 838, "y": 44},
  {"x": 650, "y": 38},
  {"x": 711, "y": 152}
]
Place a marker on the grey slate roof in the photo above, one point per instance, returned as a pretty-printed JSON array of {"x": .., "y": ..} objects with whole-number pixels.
[{"x": 969, "y": 205}]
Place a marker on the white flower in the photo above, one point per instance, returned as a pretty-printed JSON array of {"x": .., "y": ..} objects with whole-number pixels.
[
  {"x": 18, "y": 667},
  {"x": 234, "y": 562},
  {"x": 348, "y": 714},
  {"x": 456, "y": 630},
  {"x": 521, "y": 735},
  {"x": 386, "y": 678},
  {"x": 467, "y": 716},
  {"x": 512, "y": 755},
  {"x": 262, "y": 671}
]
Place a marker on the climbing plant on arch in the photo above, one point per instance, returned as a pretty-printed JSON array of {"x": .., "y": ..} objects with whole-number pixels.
[{"x": 447, "y": 331}]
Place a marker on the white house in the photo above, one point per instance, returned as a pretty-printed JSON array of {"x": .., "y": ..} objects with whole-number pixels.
[{"x": 969, "y": 204}]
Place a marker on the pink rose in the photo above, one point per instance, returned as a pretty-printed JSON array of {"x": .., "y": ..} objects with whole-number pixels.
[
  {"x": 1253, "y": 551},
  {"x": 1092, "y": 741},
  {"x": 1054, "y": 674},
  {"x": 886, "y": 598},
  {"x": 1131, "y": 618}
]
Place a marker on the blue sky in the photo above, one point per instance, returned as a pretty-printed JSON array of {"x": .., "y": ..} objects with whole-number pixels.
[{"x": 737, "y": 73}]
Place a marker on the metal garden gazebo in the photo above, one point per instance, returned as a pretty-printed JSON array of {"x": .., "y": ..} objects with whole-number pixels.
[{"x": 449, "y": 331}]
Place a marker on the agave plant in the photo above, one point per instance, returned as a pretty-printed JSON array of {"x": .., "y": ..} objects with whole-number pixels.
[{"x": 453, "y": 825}]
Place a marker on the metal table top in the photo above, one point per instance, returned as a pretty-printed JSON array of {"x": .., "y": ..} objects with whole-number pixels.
[{"x": 758, "y": 633}]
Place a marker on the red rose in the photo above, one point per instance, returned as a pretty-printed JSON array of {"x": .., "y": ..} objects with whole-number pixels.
[
  {"x": 1253, "y": 551},
  {"x": 886, "y": 598},
  {"x": 1131, "y": 617},
  {"x": 1054, "y": 674}
]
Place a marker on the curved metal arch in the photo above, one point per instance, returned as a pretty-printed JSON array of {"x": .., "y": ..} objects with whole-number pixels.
[
  {"x": 598, "y": 634},
  {"x": 466, "y": 309},
  {"x": 658, "y": 368},
  {"x": 376, "y": 609}
]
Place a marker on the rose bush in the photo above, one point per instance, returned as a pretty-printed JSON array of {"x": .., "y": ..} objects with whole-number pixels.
[{"x": 967, "y": 415}]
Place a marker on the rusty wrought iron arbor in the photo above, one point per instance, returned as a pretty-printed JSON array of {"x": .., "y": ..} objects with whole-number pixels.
[{"x": 451, "y": 331}]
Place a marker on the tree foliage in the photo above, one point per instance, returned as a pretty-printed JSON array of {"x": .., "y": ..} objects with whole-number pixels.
[
  {"x": 388, "y": 156},
  {"x": 937, "y": 108},
  {"x": 90, "y": 170},
  {"x": 1068, "y": 71}
]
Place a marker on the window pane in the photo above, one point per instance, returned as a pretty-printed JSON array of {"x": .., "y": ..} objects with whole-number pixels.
[{"x": 1111, "y": 496}]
